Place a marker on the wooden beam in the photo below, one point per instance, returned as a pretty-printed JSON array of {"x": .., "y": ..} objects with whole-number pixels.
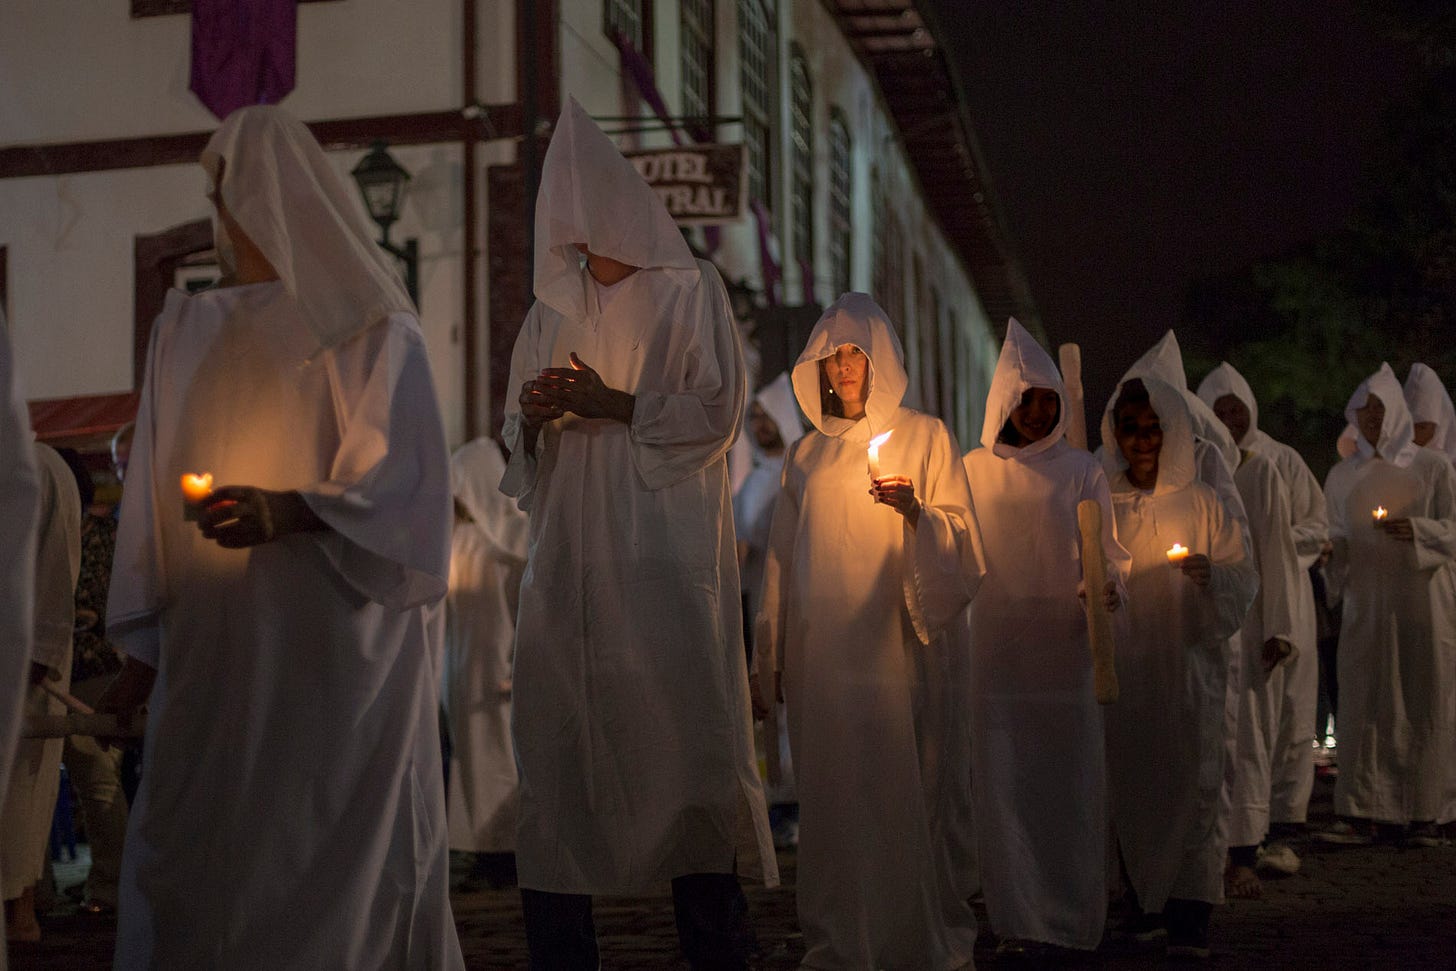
[{"x": 421, "y": 128}]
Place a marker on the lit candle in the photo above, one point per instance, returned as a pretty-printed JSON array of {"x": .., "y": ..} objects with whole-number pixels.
[
  {"x": 875, "y": 444},
  {"x": 195, "y": 489},
  {"x": 1177, "y": 554},
  {"x": 1378, "y": 514}
]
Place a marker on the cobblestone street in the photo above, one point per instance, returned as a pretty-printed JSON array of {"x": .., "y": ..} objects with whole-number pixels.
[{"x": 1349, "y": 907}]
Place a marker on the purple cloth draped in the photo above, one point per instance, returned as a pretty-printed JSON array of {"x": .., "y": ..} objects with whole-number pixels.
[{"x": 242, "y": 52}]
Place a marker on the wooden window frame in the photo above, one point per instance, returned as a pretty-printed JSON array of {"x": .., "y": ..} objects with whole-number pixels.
[
  {"x": 841, "y": 202},
  {"x": 612, "y": 27},
  {"x": 801, "y": 159},
  {"x": 756, "y": 75},
  {"x": 697, "y": 55}
]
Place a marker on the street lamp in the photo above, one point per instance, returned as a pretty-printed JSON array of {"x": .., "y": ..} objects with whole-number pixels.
[{"x": 382, "y": 182}]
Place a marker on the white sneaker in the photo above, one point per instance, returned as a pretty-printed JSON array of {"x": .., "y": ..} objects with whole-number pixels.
[{"x": 1277, "y": 858}]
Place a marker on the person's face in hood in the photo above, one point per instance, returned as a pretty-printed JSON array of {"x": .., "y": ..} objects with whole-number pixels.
[
  {"x": 1139, "y": 437},
  {"x": 1035, "y": 417},
  {"x": 1234, "y": 414},
  {"x": 1369, "y": 417},
  {"x": 1424, "y": 431},
  {"x": 765, "y": 429},
  {"x": 847, "y": 371}
]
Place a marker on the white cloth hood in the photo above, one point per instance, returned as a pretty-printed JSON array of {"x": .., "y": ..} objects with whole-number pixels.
[
  {"x": 591, "y": 194},
  {"x": 777, "y": 398},
  {"x": 1164, "y": 361},
  {"x": 1224, "y": 380},
  {"x": 1023, "y": 364},
  {"x": 1177, "y": 467},
  {"x": 1397, "y": 432},
  {"x": 1429, "y": 400},
  {"x": 476, "y": 470},
  {"x": 284, "y": 193},
  {"x": 854, "y": 319}
]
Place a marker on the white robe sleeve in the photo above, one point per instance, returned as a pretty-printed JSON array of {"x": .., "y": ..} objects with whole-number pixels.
[
  {"x": 1234, "y": 581},
  {"x": 519, "y": 481},
  {"x": 57, "y": 563},
  {"x": 19, "y": 497},
  {"x": 1214, "y": 472},
  {"x": 387, "y": 497},
  {"x": 1268, "y": 511},
  {"x": 946, "y": 559},
  {"x": 679, "y": 433},
  {"x": 1435, "y": 536},
  {"x": 1337, "y": 490},
  {"x": 1307, "y": 511},
  {"x": 773, "y": 605}
]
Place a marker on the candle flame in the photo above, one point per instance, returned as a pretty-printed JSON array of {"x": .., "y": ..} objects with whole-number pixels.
[
  {"x": 1379, "y": 512},
  {"x": 196, "y": 487},
  {"x": 879, "y": 440},
  {"x": 1178, "y": 548}
]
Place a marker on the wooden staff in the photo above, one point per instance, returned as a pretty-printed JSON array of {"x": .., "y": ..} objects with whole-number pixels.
[
  {"x": 77, "y": 723},
  {"x": 1099, "y": 620},
  {"x": 1070, "y": 358}
]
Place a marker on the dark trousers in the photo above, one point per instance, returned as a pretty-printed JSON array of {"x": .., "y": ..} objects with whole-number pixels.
[{"x": 712, "y": 925}]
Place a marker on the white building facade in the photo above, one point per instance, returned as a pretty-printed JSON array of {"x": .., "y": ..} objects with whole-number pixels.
[{"x": 102, "y": 204}]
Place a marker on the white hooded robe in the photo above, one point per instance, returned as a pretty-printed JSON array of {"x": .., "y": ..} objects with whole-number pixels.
[
  {"x": 1166, "y": 735},
  {"x": 487, "y": 557},
  {"x": 631, "y": 721},
  {"x": 1038, "y": 761},
  {"x": 854, "y": 604},
  {"x": 1294, "y": 687},
  {"x": 292, "y": 810},
  {"x": 1397, "y": 659}
]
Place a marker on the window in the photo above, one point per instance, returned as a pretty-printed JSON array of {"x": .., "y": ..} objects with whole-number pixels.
[
  {"x": 888, "y": 255},
  {"x": 630, "y": 20},
  {"x": 756, "y": 60},
  {"x": 841, "y": 204},
  {"x": 801, "y": 195},
  {"x": 697, "y": 61}
]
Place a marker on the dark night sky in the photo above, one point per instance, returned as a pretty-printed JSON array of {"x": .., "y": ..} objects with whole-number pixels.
[{"x": 1136, "y": 147}]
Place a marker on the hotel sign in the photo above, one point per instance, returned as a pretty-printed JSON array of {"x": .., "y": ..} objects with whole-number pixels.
[{"x": 699, "y": 184}]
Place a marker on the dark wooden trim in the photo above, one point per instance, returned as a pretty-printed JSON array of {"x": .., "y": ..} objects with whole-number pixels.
[
  {"x": 155, "y": 263},
  {"x": 164, "y": 8},
  {"x": 5, "y": 282},
  {"x": 422, "y": 128}
]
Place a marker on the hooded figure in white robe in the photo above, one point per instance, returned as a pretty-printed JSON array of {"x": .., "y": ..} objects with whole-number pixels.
[
  {"x": 487, "y": 558},
  {"x": 855, "y": 602},
  {"x": 292, "y": 812},
  {"x": 752, "y": 515},
  {"x": 632, "y": 723},
  {"x": 29, "y": 800},
  {"x": 1291, "y": 691},
  {"x": 1397, "y": 660},
  {"x": 1166, "y": 748},
  {"x": 1036, "y": 730},
  {"x": 1430, "y": 404},
  {"x": 19, "y": 498}
]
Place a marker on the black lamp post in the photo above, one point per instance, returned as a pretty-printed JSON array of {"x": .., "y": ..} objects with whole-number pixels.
[{"x": 382, "y": 182}]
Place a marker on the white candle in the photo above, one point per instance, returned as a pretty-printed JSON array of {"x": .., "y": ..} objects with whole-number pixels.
[
  {"x": 195, "y": 489},
  {"x": 1178, "y": 554},
  {"x": 875, "y": 444}
]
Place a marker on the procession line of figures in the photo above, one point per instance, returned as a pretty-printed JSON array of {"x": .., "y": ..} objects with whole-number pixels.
[{"x": 919, "y": 617}]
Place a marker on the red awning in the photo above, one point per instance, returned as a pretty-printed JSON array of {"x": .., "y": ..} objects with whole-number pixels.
[{"x": 60, "y": 420}]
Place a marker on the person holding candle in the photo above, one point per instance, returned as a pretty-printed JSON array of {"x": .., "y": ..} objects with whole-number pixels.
[
  {"x": 1036, "y": 730},
  {"x": 1165, "y": 734},
  {"x": 632, "y": 724},
  {"x": 862, "y": 578},
  {"x": 1289, "y": 693},
  {"x": 1397, "y": 660},
  {"x": 289, "y": 639}
]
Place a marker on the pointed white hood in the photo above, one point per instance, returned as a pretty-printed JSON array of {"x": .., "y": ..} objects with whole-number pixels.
[
  {"x": 1164, "y": 361},
  {"x": 1023, "y": 364},
  {"x": 1429, "y": 400},
  {"x": 591, "y": 194},
  {"x": 284, "y": 193},
  {"x": 777, "y": 398},
  {"x": 1397, "y": 434},
  {"x": 1225, "y": 380},
  {"x": 854, "y": 319},
  {"x": 1177, "y": 467}
]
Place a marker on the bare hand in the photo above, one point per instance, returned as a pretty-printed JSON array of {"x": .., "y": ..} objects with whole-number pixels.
[
  {"x": 236, "y": 517},
  {"x": 1327, "y": 550},
  {"x": 125, "y": 695},
  {"x": 538, "y": 406},
  {"x": 1275, "y": 651},
  {"x": 897, "y": 492},
  {"x": 1198, "y": 568},
  {"x": 579, "y": 389},
  {"x": 1400, "y": 529}
]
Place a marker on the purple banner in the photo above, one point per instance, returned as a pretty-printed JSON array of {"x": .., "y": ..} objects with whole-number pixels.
[{"x": 242, "y": 52}]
